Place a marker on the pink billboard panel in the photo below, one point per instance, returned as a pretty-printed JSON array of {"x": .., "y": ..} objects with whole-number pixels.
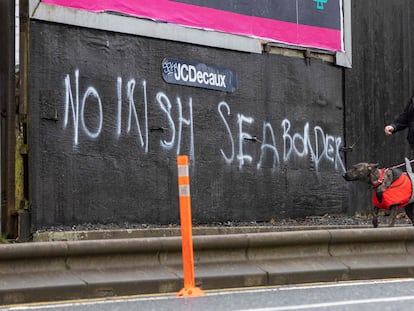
[{"x": 308, "y": 23}]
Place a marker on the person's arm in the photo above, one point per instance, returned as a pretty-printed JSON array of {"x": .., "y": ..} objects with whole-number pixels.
[
  {"x": 389, "y": 129},
  {"x": 402, "y": 121}
]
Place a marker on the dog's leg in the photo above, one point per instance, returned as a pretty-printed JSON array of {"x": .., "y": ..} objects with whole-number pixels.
[
  {"x": 393, "y": 214},
  {"x": 409, "y": 211},
  {"x": 375, "y": 217}
]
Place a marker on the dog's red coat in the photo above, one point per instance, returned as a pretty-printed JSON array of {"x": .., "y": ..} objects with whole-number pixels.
[{"x": 398, "y": 194}]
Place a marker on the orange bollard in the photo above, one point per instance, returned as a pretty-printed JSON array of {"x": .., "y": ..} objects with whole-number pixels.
[{"x": 189, "y": 290}]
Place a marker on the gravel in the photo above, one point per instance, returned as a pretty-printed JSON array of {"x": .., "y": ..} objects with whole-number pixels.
[{"x": 327, "y": 220}]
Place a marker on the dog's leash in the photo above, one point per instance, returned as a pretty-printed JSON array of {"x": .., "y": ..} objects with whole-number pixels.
[
  {"x": 402, "y": 164},
  {"x": 351, "y": 148},
  {"x": 381, "y": 177}
]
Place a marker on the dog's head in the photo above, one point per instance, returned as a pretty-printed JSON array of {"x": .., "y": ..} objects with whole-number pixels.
[{"x": 363, "y": 171}]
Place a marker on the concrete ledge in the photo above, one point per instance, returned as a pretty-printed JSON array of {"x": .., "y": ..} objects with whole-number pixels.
[
  {"x": 48, "y": 236},
  {"x": 42, "y": 271}
]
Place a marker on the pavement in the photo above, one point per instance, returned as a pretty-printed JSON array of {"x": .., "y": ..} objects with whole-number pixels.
[{"x": 78, "y": 265}]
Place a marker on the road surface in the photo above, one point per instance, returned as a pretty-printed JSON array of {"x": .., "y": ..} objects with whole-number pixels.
[{"x": 395, "y": 294}]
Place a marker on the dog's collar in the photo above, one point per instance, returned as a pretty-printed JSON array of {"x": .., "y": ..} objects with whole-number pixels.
[{"x": 381, "y": 177}]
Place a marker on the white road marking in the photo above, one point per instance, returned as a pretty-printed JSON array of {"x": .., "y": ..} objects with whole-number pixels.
[
  {"x": 333, "y": 304},
  {"x": 345, "y": 284},
  {"x": 169, "y": 296}
]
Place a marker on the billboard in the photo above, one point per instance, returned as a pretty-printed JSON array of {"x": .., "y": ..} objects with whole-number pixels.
[{"x": 308, "y": 23}]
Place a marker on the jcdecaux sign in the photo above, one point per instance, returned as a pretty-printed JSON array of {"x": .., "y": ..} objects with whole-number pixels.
[{"x": 198, "y": 75}]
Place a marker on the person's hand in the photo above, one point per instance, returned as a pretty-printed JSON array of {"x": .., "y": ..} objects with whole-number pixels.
[{"x": 388, "y": 130}]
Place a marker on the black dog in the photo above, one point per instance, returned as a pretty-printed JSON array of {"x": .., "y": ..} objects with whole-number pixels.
[{"x": 392, "y": 188}]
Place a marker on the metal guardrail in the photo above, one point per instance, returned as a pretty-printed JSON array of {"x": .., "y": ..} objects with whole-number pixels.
[{"x": 42, "y": 271}]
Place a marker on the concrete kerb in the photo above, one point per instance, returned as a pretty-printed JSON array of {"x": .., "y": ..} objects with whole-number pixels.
[
  {"x": 95, "y": 268},
  {"x": 46, "y": 236},
  {"x": 371, "y": 254}
]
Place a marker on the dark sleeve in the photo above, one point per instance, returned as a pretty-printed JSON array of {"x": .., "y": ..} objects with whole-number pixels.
[{"x": 403, "y": 120}]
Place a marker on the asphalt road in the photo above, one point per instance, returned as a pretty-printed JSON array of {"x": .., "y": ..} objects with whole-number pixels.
[{"x": 396, "y": 294}]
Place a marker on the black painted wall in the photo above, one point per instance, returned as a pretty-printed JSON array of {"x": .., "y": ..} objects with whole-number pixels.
[
  {"x": 378, "y": 86},
  {"x": 110, "y": 172}
]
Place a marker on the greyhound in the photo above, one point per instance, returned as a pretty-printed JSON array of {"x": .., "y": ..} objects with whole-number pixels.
[{"x": 392, "y": 188}]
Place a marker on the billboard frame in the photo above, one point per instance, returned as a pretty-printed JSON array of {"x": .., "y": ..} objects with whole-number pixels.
[{"x": 174, "y": 32}]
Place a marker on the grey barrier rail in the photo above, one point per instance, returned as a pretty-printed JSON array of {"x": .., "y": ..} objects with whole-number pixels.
[{"x": 42, "y": 271}]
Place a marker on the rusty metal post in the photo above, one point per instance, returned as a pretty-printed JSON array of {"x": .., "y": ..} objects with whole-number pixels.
[{"x": 22, "y": 193}]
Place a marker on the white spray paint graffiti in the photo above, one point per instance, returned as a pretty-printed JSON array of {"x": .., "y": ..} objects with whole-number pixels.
[
  {"x": 132, "y": 111},
  {"x": 119, "y": 96},
  {"x": 330, "y": 151},
  {"x": 242, "y": 136},
  {"x": 267, "y": 127},
  {"x": 76, "y": 108},
  {"x": 228, "y": 160},
  {"x": 294, "y": 144},
  {"x": 166, "y": 106},
  {"x": 311, "y": 142},
  {"x": 76, "y": 113},
  {"x": 188, "y": 122},
  {"x": 91, "y": 92},
  {"x": 133, "y": 114}
]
